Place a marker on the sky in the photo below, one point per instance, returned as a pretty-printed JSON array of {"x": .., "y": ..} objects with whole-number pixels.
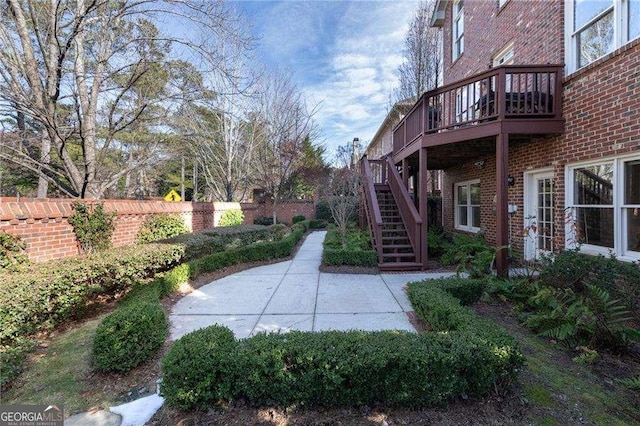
[{"x": 344, "y": 55}]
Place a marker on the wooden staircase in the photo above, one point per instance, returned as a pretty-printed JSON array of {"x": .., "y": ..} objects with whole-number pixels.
[
  {"x": 388, "y": 212},
  {"x": 397, "y": 251}
]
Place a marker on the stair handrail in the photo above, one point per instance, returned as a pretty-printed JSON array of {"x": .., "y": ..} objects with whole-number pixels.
[
  {"x": 371, "y": 203},
  {"x": 408, "y": 212}
]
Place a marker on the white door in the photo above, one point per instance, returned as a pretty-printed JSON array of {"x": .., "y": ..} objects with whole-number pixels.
[{"x": 538, "y": 214}]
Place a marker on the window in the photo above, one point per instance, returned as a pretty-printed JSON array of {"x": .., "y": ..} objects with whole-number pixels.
[
  {"x": 504, "y": 56},
  {"x": 604, "y": 204},
  {"x": 458, "y": 29},
  {"x": 467, "y": 204},
  {"x": 597, "y": 27}
]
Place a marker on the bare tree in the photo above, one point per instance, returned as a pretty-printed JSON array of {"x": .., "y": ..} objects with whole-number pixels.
[
  {"x": 281, "y": 125},
  {"x": 422, "y": 67},
  {"x": 342, "y": 195},
  {"x": 220, "y": 133},
  {"x": 86, "y": 72}
]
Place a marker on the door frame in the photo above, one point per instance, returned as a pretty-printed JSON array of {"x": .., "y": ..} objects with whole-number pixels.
[{"x": 530, "y": 195}]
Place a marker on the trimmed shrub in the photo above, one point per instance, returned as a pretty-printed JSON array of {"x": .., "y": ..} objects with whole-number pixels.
[
  {"x": 160, "y": 227},
  {"x": 52, "y": 292},
  {"x": 368, "y": 258},
  {"x": 12, "y": 252},
  {"x": 358, "y": 251},
  {"x": 468, "y": 291},
  {"x": 298, "y": 218},
  {"x": 334, "y": 368},
  {"x": 323, "y": 212},
  {"x": 251, "y": 253},
  {"x": 214, "y": 240},
  {"x": 129, "y": 336},
  {"x": 318, "y": 224},
  {"x": 231, "y": 218},
  {"x": 197, "y": 370},
  {"x": 264, "y": 220}
]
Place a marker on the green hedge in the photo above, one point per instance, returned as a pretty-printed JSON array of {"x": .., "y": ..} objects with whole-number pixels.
[
  {"x": 317, "y": 224},
  {"x": 52, "y": 292},
  {"x": 160, "y": 227},
  {"x": 335, "y": 368},
  {"x": 129, "y": 336},
  {"x": 350, "y": 257},
  {"x": 252, "y": 253},
  {"x": 58, "y": 290},
  {"x": 215, "y": 240},
  {"x": 358, "y": 251},
  {"x": 467, "y": 290}
]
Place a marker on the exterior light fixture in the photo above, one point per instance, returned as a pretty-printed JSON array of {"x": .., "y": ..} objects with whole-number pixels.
[{"x": 511, "y": 180}]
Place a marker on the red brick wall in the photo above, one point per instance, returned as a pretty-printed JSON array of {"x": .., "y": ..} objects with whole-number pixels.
[
  {"x": 536, "y": 29},
  {"x": 43, "y": 226},
  {"x": 600, "y": 103}
]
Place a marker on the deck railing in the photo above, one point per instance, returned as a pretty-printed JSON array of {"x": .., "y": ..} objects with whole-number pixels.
[
  {"x": 372, "y": 213},
  {"x": 506, "y": 92}
]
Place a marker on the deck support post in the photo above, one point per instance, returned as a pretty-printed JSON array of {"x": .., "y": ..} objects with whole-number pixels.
[
  {"x": 502, "y": 204},
  {"x": 405, "y": 173},
  {"x": 423, "y": 173}
]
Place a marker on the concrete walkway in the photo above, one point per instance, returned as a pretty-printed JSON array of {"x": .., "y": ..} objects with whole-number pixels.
[
  {"x": 291, "y": 295},
  {"x": 294, "y": 295}
]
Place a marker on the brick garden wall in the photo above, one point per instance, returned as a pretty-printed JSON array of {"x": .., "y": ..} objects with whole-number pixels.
[{"x": 43, "y": 225}]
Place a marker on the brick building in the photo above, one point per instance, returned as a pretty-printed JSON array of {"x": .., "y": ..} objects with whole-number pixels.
[{"x": 536, "y": 126}]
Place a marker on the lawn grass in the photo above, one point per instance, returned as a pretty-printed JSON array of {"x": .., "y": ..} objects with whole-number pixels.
[{"x": 57, "y": 375}]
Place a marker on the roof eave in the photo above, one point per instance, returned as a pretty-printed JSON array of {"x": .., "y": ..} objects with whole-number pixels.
[{"x": 437, "y": 19}]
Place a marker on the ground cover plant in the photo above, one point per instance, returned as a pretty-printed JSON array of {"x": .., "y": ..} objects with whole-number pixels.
[
  {"x": 356, "y": 252},
  {"x": 12, "y": 252}
]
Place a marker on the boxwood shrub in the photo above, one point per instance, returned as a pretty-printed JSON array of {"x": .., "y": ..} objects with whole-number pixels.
[
  {"x": 259, "y": 251},
  {"x": 335, "y": 368},
  {"x": 358, "y": 251},
  {"x": 317, "y": 224},
  {"x": 350, "y": 257},
  {"x": 129, "y": 336},
  {"x": 197, "y": 368},
  {"x": 468, "y": 291}
]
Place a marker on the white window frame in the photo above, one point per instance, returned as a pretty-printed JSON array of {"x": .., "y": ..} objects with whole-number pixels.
[
  {"x": 468, "y": 227},
  {"x": 457, "y": 39},
  {"x": 619, "y": 209},
  {"x": 620, "y": 30},
  {"x": 504, "y": 57}
]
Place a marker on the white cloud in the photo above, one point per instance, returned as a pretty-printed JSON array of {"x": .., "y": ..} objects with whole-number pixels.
[{"x": 344, "y": 54}]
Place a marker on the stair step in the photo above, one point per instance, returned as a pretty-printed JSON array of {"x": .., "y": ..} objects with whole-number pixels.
[
  {"x": 400, "y": 266},
  {"x": 397, "y": 246},
  {"x": 398, "y": 255}
]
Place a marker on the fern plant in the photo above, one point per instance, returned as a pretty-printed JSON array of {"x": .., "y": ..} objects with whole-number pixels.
[
  {"x": 592, "y": 319},
  {"x": 632, "y": 383}
]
